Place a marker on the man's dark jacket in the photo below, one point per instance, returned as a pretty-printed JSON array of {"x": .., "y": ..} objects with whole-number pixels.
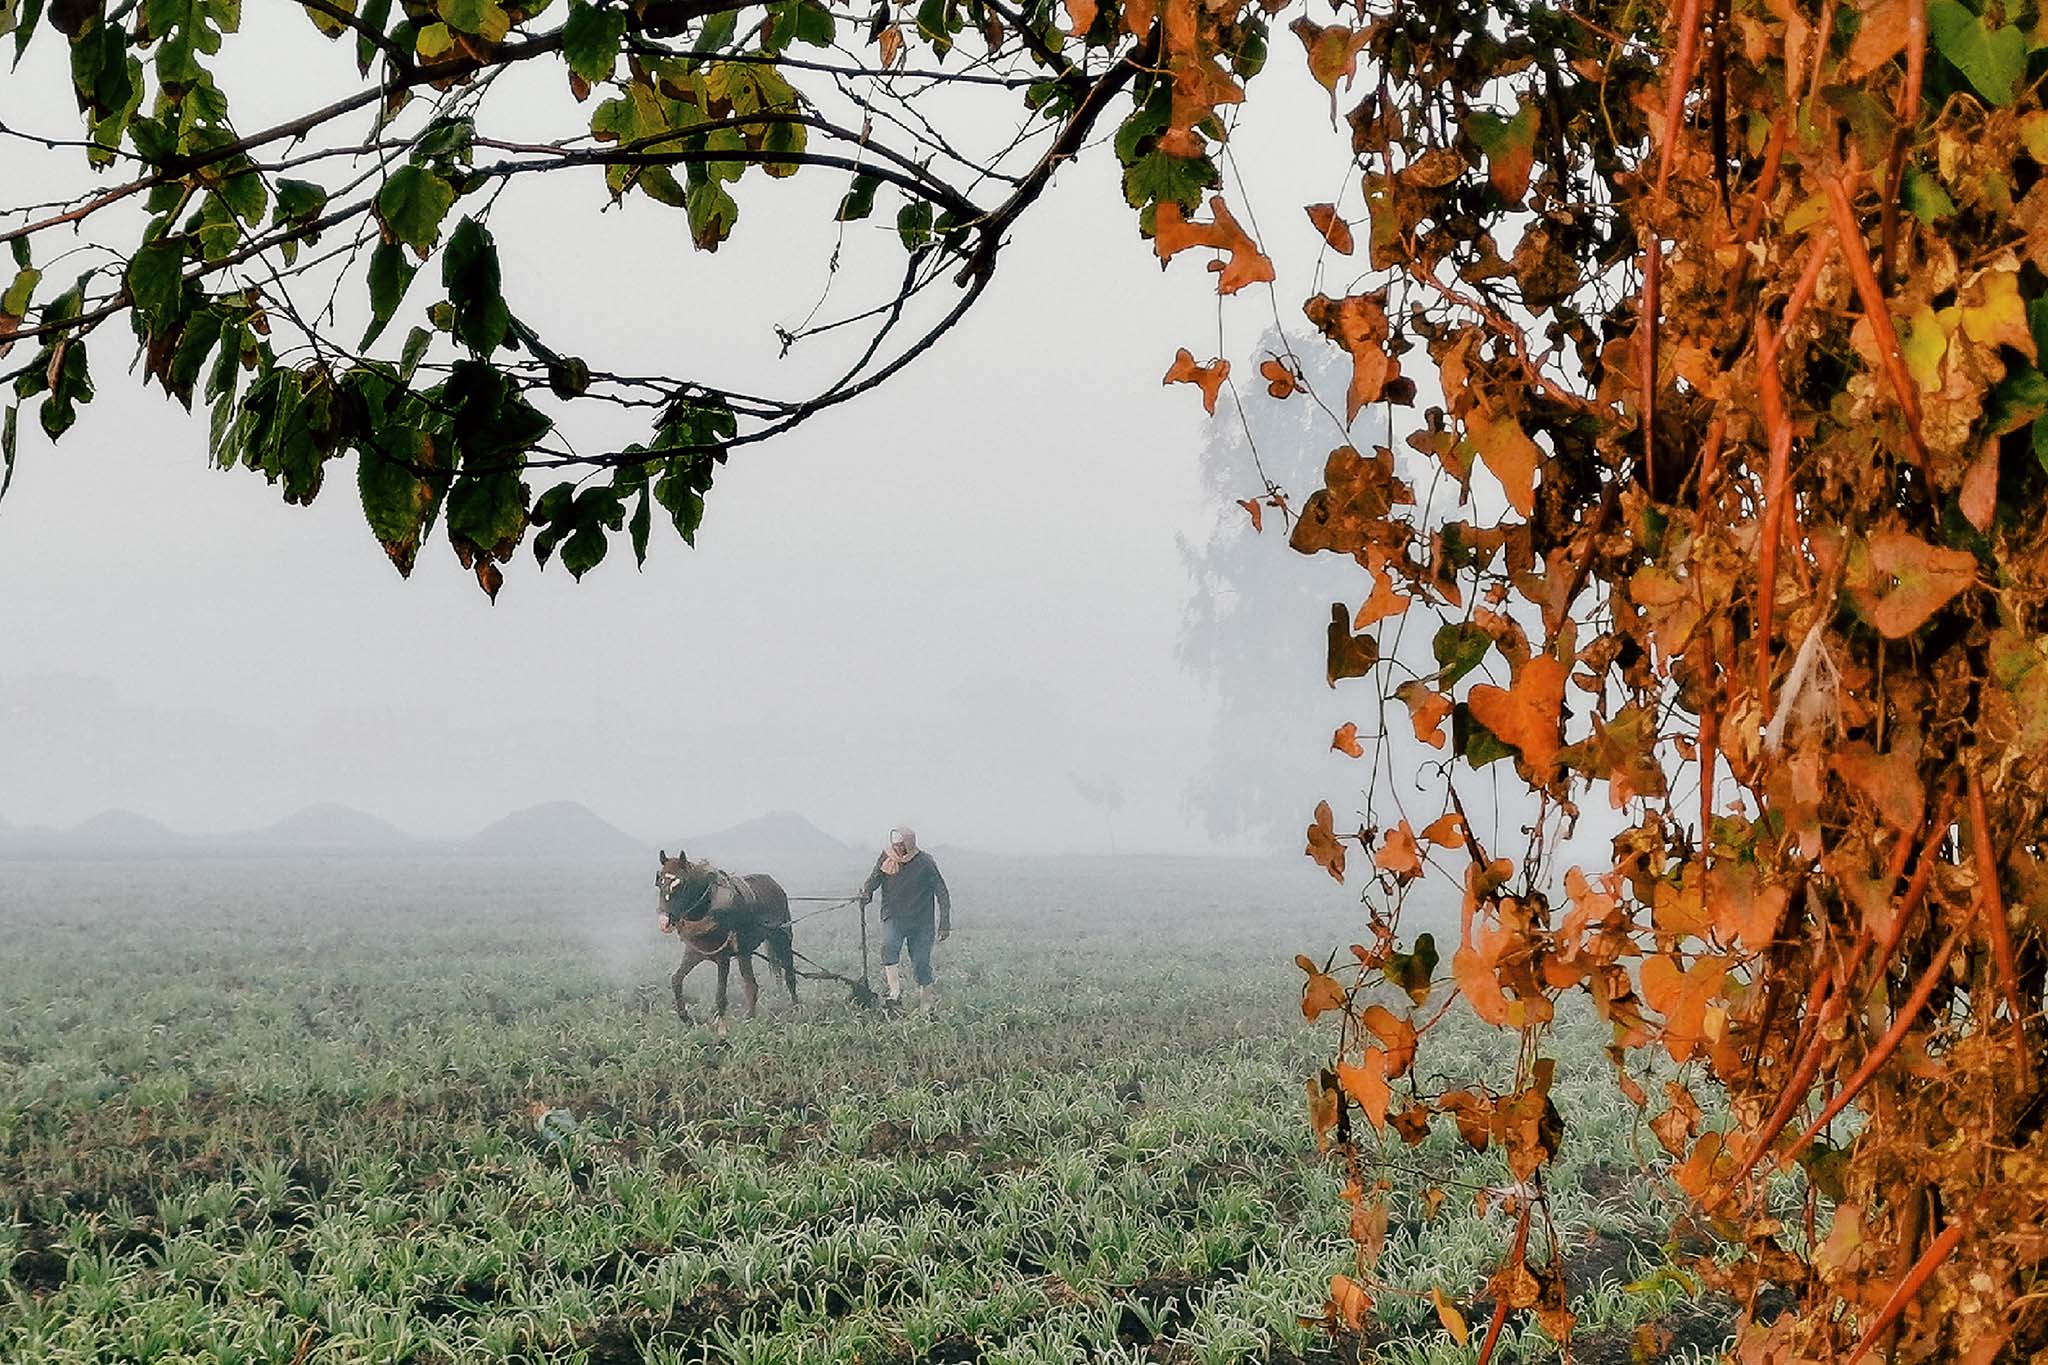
[{"x": 909, "y": 894}]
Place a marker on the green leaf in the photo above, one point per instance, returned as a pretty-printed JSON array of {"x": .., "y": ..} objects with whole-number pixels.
[
  {"x": 860, "y": 200},
  {"x": 469, "y": 269},
  {"x": 717, "y": 31},
  {"x": 2039, "y": 433},
  {"x": 412, "y": 204},
  {"x": 375, "y": 16},
  {"x": 486, "y": 517},
  {"x": 156, "y": 282},
  {"x": 1479, "y": 745},
  {"x": 1459, "y": 648},
  {"x": 485, "y": 19},
  {"x": 19, "y": 248},
  {"x": 712, "y": 214},
  {"x": 326, "y": 22},
  {"x": 298, "y": 201},
  {"x": 1925, "y": 198},
  {"x": 416, "y": 342},
  {"x": 591, "y": 38},
  {"x": 399, "y": 501},
  {"x": 447, "y": 139},
  {"x": 1156, "y": 178},
  {"x": 914, "y": 224},
  {"x": 2015, "y": 401},
  {"x": 7, "y": 424},
  {"x": 643, "y": 517},
  {"x": 14, "y": 303},
  {"x": 1992, "y": 60},
  {"x": 390, "y": 276},
  {"x": 195, "y": 344}
]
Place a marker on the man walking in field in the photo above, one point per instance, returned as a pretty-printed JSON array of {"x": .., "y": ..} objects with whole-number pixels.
[{"x": 911, "y": 886}]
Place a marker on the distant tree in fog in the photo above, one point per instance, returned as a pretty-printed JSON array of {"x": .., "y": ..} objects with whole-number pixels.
[
  {"x": 1252, "y": 628},
  {"x": 1104, "y": 793}
]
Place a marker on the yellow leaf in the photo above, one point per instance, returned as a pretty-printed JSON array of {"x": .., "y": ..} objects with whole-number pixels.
[
  {"x": 1509, "y": 454},
  {"x": 1993, "y": 313},
  {"x": 1450, "y": 1317},
  {"x": 1923, "y": 343}
]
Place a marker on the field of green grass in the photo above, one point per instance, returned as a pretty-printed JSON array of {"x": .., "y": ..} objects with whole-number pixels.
[{"x": 281, "y": 1111}]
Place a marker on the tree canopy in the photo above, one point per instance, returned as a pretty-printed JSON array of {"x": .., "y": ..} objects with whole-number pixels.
[{"x": 1706, "y": 341}]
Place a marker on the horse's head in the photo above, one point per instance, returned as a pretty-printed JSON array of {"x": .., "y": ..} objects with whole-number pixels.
[{"x": 684, "y": 888}]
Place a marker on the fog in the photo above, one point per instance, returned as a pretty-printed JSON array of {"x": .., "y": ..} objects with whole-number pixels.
[{"x": 940, "y": 604}]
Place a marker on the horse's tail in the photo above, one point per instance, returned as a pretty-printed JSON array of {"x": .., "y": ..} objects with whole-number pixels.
[{"x": 782, "y": 947}]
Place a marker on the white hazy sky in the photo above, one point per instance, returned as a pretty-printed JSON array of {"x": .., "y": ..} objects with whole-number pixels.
[{"x": 930, "y": 605}]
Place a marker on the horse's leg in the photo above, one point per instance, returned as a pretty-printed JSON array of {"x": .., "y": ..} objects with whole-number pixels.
[
  {"x": 691, "y": 957},
  {"x": 724, "y": 976},
  {"x": 749, "y": 987}
]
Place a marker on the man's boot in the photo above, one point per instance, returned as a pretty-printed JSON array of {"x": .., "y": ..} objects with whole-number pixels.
[
  {"x": 927, "y": 997},
  {"x": 894, "y": 977}
]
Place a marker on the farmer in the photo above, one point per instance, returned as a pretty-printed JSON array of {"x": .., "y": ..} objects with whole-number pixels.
[{"x": 910, "y": 884}]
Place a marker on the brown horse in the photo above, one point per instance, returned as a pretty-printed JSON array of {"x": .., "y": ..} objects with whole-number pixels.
[{"x": 721, "y": 917}]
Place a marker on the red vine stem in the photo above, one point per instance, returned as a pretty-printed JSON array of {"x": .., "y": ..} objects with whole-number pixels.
[
  {"x": 1909, "y": 1287},
  {"x": 1923, "y": 990},
  {"x": 1890, "y": 358},
  {"x": 1653, "y": 246},
  {"x": 1992, "y": 903}
]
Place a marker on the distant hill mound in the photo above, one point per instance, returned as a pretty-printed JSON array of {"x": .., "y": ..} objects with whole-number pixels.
[
  {"x": 563, "y": 830},
  {"x": 328, "y": 826},
  {"x": 778, "y": 839},
  {"x": 118, "y": 833},
  {"x": 110, "y": 834}
]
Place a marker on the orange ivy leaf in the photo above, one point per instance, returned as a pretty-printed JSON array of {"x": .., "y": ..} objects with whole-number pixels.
[
  {"x": 1332, "y": 53},
  {"x": 1349, "y": 1303},
  {"x": 1350, "y": 513},
  {"x": 1447, "y": 831},
  {"x": 1083, "y": 13},
  {"x": 1251, "y": 507},
  {"x": 1890, "y": 782},
  {"x": 1281, "y": 382},
  {"x": 1383, "y": 603},
  {"x": 1367, "y": 1086},
  {"x": 1350, "y": 656},
  {"x": 1510, "y": 147},
  {"x": 1903, "y": 580},
  {"x": 1323, "y": 1100},
  {"x": 1682, "y": 995},
  {"x": 1323, "y": 844},
  {"x": 1172, "y": 233},
  {"x": 1319, "y": 994},
  {"x": 1335, "y": 230},
  {"x": 1359, "y": 325},
  {"x": 1509, "y": 454},
  {"x": 1399, "y": 854},
  {"x": 892, "y": 38},
  {"x": 1396, "y": 1035},
  {"x": 1428, "y": 709},
  {"x": 1432, "y": 1202},
  {"x": 1481, "y": 984},
  {"x": 1345, "y": 741},
  {"x": 1473, "y": 1115},
  {"x": 1208, "y": 378},
  {"x": 1527, "y": 715}
]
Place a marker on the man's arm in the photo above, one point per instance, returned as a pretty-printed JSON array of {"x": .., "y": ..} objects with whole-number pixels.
[
  {"x": 945, "y": 900},
  {"x": 872, "y": 884}
]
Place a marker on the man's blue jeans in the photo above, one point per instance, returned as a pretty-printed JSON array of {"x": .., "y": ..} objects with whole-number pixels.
[{"x": 918, "y": 938}]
